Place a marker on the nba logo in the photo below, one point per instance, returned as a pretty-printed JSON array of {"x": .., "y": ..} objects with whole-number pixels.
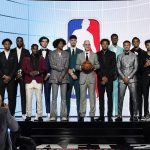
[{"x": 85, "y": 29}]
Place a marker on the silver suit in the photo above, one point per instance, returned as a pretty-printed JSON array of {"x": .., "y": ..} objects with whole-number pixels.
[{"x": 127, "y": 66}]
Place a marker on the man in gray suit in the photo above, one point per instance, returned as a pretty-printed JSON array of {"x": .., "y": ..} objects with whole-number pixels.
[
  {"x": 87, "y": 80},
  {"x": 59, "y": 62},
  {"x": 6, "y": 122},
  {"x": 127, "y": 65}
]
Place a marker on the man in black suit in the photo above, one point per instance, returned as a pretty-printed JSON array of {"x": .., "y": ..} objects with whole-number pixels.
[
  {"x": 106, "y": 76},
  {"x": 45, "y": 52},
  {"x": 8, "y": 67},
  {"x": 138, "y": 51},
  {"x": 20, "y": 52}
]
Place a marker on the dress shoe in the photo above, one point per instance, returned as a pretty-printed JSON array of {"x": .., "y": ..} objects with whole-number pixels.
[
  {"x": 110, "y": 119},
  {"x": 81, "y": 119},
  {"x": 118, "y": 119},
  {"x": 100, "y": 119},
  {"x": 28, "y": 119}
]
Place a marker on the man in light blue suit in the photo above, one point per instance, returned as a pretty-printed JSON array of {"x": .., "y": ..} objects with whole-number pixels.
[{"x": 118, "y": 50}]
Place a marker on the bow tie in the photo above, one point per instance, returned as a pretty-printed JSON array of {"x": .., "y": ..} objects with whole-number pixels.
[
  {"x": 126, "y": 53},
  {"x": 44, "y": 49}
]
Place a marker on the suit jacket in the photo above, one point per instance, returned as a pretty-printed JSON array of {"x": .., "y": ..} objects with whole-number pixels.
[
  {"x": 127, "y": 65},
  {"x": 24, "y": 53},
  {"x": 6, "y": 122},
  {"x": 48, "y": 52},
  {"x": 26, "y": 68},
  {"x": 73, "y": 59},
  {"x": 59, "y": 66},
  {"x": 108, "y": 65},
  {"x": 91, "y": 77},
  {"x": 8, "y": 66}
]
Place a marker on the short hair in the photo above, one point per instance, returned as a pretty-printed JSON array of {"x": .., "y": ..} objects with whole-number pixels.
[
  {"x": 105, "y": 40},
  {"x": 6, "y": 40},
  {"x": 147, "y": 41},
  {"x": 114, "y": 34},
  {"x": 73, "y": 37},
  {"x": 33, "y": 45},
  {"x": 57, "y": 41},
  {"x": 126, "y": 42},
  {"x": 135, "y": 38},
  {"x": 19, "y": 37},
  {"x": 42, "y": 38}
]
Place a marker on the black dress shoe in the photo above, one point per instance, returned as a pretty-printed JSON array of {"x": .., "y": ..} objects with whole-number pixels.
[
  {"x": 131, "y": 118},
  {"x": 118, "y": 119},
  {"x": 81, "y": 119},
  {"x": 110, "y": 119},
  {"x": 92, "y": 119},
  {"x": 40, "y": 119},
  {"x": 100, "y": 119},
  {"x": 28, "y": 119},
  {"x": 140, "y": 117},
  {"x": 135, "y": 118}
]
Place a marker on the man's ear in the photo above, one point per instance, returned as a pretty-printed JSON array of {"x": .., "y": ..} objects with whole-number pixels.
[{"x": 0, "y": 100}]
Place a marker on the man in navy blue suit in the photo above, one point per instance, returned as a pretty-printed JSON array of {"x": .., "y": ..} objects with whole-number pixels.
[
  {"x": 45, "y": 52},
  {"x": 73, "y": 73}
]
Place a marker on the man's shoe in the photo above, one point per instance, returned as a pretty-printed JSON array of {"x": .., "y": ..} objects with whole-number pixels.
[
  {"x": 40, "y": 119},
  {"x": 131, "y": 119},
  {"x": 92, "y": 119},
  {"x": 53, "y": 119},
  {"x": 23, "y": 117},
  {"x": 118, "y": 119},
  {"x": 100, "y": 119},
  {"x": 110, "y": 119},
  {"x": 81, "y": 119},
  {"x": 135, "y": 118},
  {"x": 28, "y": 119},
  {"x": 64, "y": 119}
]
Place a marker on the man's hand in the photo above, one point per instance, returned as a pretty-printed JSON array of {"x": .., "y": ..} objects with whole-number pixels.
[
  {"x": 32, "y": 73},
  {"x": 60, "y": 79},
  {"x": 18, "y": 76},
  {"x": 74, "y": 77},
  {"x": 70, "y": 71},
  {"x": 46, "y": 77},
  {"x": 147, "y": 63},
  {"x": 105, "y": 79},
  {"x": 36, "y": 73},
  {"x": 6, "y": 79},
  {"x": 126, "y": 80}
]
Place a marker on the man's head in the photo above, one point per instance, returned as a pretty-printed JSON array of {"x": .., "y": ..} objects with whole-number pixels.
[
  {"x": 19, "y": 42},
  {"x": 136, "y": 42},
  {"x": 7, "y": 44},
  {"x": 59, "y": 43},
  {"x": 147, "y": 45},
  {"x": 44, "y": 41},
  {"x": 114, "y": 39},
  {"x": 105, "y": 44},
  {"x": 85, "y": 24},
  {"x": 87, "y": 45},
  {"x": 73, "y": 40},
  {"x": 126, "y": 45},
  {"x": 34, "y": 48}
]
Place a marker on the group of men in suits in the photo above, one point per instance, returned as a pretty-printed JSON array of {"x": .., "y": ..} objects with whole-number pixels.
[{"x": 113, "y": 68}]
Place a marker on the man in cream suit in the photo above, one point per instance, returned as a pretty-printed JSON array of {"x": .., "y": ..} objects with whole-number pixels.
[{"x": 87, "y": 80}]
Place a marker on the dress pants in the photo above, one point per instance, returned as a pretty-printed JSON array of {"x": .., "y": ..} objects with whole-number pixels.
[
  {"x": 122, "y": 89},
  {"x": 75, "y": 84},
  {"x": 37, "y": 88},
  {"x": 146, "y": 85},
  {"x": 47, "y": 91},
  {"x": 63, "y": 107},
  {"x": 83, "y": 91},
  {"x": 11, "y": 94},
  {"x": 22, "y": 94},
  {"x": 109, "y": 90}
]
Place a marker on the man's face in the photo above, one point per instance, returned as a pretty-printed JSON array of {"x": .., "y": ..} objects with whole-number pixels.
[
  {"x": 73, "y": 42},
  {"x": 7, "y": 45},
  {"x": 44, "y": 43},
  {"x": 61, "y": 45},
  {"x": 126, "y": 46},
  {"x": 104, "y": 45},
  {"x": 19, "y": 43},
  {"x": 114, "y": 40},
  {"x": 35, "y": 50},
  {"x": 136, "y": 43},
  {"x": 87, "y": 45},
  {"x": 148, "y": 46}
]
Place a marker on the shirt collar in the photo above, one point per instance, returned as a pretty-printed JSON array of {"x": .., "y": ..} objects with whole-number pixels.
[{"x": 19, "y": 48}]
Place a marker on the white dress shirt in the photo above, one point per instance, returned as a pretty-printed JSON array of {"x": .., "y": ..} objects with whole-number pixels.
[
  {"x": 19, "y": 53},
  {"x": 6, "y": 53},
  {"x": 114, "y": 48},
  {"x": 44, "y": 52}
]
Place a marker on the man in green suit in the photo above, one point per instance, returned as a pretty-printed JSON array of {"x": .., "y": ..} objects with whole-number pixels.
[
  {"x": 73, "y": 73},
  {"x": 118, "y": 50}
]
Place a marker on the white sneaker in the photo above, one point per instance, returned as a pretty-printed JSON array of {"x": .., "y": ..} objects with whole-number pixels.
[
  {"x": 52, "y": 119},
  {"x": 23, "y": 117},
  {"x": 36, "y": 117},
  {"x": 64, "y": 119}
]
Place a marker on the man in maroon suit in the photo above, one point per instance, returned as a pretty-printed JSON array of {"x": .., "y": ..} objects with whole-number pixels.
[{"x": 34, "y": 68}]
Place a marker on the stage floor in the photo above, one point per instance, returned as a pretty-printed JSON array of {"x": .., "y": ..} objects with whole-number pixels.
[{"x": 88, "y": 135}]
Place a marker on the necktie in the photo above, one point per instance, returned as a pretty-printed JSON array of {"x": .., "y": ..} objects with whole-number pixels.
[
  {"x": 87, "y": 57},
  {"x": 72, "y": 52}
]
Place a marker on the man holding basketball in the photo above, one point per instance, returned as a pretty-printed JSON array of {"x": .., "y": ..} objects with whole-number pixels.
[{"x": 87, "y": 63}]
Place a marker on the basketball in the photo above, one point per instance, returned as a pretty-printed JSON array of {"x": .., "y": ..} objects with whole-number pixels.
[{"x": 87, "y": 66}]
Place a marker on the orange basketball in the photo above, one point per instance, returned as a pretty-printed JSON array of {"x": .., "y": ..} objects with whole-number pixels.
[{"x": 87, "y": 66}]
